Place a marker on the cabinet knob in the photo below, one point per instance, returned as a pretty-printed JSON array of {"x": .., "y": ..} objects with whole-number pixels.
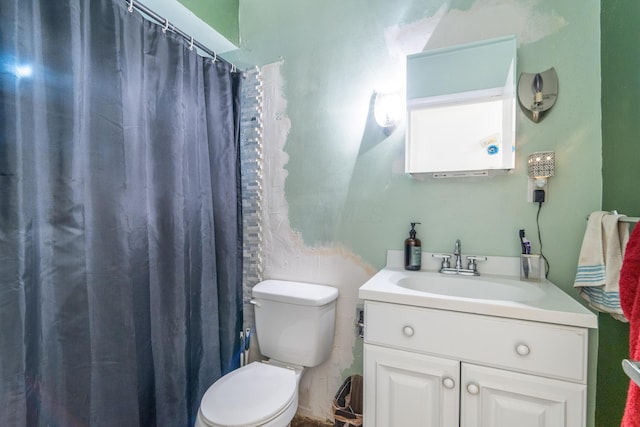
[
  {"x": 473, "y": 388},
  {"x": 408, "y": 331},
  {"x": 448, "y": 383},
  {"x": 523, "y": 349}
]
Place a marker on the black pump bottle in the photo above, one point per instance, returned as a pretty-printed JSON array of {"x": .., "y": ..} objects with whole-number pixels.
[{"x": 412, "y": 250}]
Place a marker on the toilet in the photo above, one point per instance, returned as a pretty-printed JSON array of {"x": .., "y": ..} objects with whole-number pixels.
[{"x": 295, "y": 324}]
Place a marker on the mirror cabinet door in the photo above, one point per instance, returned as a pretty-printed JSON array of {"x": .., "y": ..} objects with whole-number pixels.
[{"x": 461, "y": 109}]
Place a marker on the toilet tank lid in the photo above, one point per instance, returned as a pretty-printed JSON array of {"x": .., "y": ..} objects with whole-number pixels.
[{"x": 295, "y": 292}]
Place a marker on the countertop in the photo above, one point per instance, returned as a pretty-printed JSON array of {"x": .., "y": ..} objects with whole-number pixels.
[{"x": 552, "y": 306}]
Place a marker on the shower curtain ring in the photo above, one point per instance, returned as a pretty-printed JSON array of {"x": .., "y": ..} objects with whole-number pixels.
[
  {"x": 166, "y": 25},
  {"x": 215, "y": 57},
  {"x": 191, "y": 44},
  {"x": 130, "y": 6}
]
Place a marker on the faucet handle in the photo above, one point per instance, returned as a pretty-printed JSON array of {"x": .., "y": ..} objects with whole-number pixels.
[
  {"x": 472, "y": 261},
  {"x": 445, "y": 259}
]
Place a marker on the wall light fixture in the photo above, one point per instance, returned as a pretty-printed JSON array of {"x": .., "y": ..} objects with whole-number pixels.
[
  {"x": 540, "y": 166},
  {"x": 537, "y": 93},
  {"x": 387, "y": 109}
]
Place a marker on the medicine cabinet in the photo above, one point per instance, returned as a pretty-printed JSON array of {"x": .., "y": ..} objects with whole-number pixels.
[{"x": 461, "y": 104}]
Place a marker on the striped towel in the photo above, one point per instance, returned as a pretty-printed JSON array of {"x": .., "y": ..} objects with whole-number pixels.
[{"x": 600, "y": 261}]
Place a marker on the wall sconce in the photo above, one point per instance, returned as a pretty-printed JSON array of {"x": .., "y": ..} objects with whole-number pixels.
[
  {"x": 537, "y": 93},
  {"x": 387, "y": 110},
  {"x": 540, "y": 166}
]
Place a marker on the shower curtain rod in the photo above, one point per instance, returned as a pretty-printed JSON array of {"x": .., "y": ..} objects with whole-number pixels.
[{"x": 131, "y": 4}]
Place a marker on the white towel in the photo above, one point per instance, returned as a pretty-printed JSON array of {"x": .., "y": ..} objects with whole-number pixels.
[{"x": 600, "y": 261}]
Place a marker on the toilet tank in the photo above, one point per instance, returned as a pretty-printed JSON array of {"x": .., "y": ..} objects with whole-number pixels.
[{"x": 295, "y": 321}]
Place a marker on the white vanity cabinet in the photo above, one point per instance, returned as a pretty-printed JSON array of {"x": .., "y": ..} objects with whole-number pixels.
[
  {"x": 434, "y": 367},
  {"x": 499, "y": 398},
  {"x": 403, "y": 388}
]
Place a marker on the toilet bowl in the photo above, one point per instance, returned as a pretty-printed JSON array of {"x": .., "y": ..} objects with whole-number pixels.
[
  {"x": 258, "y": 394},
  {"x": 294, "y": 327}
]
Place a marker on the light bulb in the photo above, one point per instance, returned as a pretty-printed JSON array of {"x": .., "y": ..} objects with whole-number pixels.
[
  {"x": 387, "y": 109},
  {"x": 537, "y": 89}
]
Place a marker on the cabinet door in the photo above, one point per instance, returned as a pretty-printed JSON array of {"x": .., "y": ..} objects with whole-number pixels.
[
  {"x": 409, "y": 389},
  {"x": 497, "y": 398}
]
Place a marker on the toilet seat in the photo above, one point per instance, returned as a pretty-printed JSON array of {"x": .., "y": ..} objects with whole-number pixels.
[{"x": 250, "y": 396}]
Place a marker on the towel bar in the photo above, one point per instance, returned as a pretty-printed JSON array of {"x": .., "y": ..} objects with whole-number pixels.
[
  {"x": 631, "y": 219},
  {"x": 632, "y": 369}
]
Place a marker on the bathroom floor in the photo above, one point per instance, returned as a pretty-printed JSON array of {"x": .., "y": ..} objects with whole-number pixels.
[{"x": 307, "y": 422}]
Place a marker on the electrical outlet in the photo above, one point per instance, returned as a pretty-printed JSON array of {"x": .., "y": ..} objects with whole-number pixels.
[
  {"x": 533, "y": 189},
  {"x": 360, "y": 320}
]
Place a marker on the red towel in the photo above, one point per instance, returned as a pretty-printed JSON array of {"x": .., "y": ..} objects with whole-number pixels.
[{"x": 630, "y": 302}]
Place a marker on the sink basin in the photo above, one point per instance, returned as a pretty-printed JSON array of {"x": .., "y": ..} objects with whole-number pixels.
[
  {"x": 469, "y": 286},
  {"x": 497, "y": 292}
]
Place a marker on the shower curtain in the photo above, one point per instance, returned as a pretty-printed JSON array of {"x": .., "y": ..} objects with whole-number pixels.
[{"x": 120, "y": 242}]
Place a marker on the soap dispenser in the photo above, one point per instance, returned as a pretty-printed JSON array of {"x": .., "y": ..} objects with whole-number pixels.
[{"x": 412, "y": 250}]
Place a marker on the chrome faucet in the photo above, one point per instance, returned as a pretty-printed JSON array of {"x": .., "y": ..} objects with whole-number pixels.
[
  {"x": 457, "y": 253},
  {"x": 472, "y": 260}
]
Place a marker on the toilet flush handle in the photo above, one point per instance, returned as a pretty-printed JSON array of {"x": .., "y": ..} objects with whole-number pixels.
[{"x": 254, "y": 302}]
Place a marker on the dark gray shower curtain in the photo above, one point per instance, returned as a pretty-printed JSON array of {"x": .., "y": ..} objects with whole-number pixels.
[{"x": 120, "y": 247}]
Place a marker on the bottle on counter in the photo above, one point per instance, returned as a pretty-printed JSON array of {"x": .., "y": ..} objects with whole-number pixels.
[{"x": 412, "y": 250}]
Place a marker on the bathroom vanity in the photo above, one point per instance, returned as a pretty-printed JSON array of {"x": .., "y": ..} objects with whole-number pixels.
[{"x": 486, "y": 351}]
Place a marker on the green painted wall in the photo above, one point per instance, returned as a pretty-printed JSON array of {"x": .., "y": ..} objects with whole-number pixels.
[
  {"x": 345, "y": 184},
  {"x": 221, "y": 15},
  {"x": 620, "y": 26}
]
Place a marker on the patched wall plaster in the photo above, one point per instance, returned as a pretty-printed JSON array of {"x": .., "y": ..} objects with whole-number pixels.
[
  {"x": 528, "y": 19},
  {"x": 286, "y": 257},
  {"x": 483, "y": 20}
]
